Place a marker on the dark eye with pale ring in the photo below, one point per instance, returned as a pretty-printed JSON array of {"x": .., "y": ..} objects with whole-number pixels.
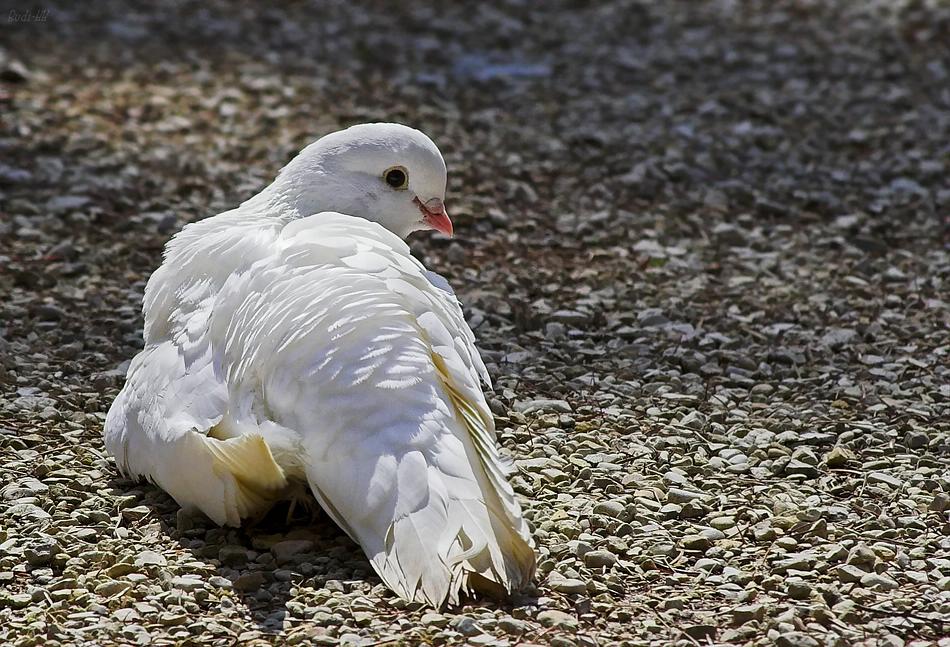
[{"x": 397, "y": 177}]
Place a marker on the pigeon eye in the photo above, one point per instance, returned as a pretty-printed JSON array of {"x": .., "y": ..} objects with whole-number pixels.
[{"x": 397, "y": 177}]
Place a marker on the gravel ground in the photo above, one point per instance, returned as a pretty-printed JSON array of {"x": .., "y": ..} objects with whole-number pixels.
[{"x": 704, "y": 248}]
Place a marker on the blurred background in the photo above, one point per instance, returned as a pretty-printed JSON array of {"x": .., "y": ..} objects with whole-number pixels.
[
  {"x": 713, "y": 234},
  {"x": 584, "y": 140}
]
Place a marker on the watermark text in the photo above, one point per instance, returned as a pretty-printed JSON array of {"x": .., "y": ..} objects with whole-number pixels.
[{"x": 27, "y": 15}]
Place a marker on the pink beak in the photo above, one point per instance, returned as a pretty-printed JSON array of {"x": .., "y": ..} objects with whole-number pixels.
[{"x": 434, "y": 215}]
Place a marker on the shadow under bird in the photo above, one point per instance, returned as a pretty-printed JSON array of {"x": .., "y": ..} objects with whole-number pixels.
[{"x": 288, "y": 343}]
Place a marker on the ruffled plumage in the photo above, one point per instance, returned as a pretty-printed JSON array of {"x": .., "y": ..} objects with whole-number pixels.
[{"x": 317, "y": 349}]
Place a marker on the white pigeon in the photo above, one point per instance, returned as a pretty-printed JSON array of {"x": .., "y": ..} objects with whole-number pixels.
[{"x": 288, "y": 343}]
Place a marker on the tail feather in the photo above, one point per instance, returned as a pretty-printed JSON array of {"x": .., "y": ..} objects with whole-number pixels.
[
  {"x": 477, "y": 549},
  {"x": 228, "y": 480},
  {"x": 465, "y": 532},
  {"x": 248, "y": 461}
]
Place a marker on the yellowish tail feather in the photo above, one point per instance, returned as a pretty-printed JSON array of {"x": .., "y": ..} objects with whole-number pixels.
[
  {"x": 257, "y": 476},
  {"x": 515, "y": 542}
]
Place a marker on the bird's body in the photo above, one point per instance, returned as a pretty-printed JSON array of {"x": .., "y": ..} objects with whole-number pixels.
[{"x": 285, "y": 348}]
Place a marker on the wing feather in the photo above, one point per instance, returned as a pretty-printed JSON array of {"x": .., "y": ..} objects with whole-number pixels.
[{"x": 324, "y": 351}]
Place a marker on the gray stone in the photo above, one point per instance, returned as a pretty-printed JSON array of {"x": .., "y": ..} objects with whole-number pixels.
[
  {"x": 712, "y": 534},
  {"x": 706, "y": 564},
  {"x": 703, "y": 632},
  {"x": 465, "y": 626},
  {"x": 184, "y": 521},
  {"x": 916, "y": 439},
  {"x": 600, "y": 559},
  {"x": 512, "y": 626},
  {"x": 679, "y": 495},
  {"x": 250, "y": 581},
  {"x": 798, "y": 589},
  {"x": 41, "y": 551},
  {"x": 838, "y": 337},
  {"x": 696, "y": 542},
  {"x": 569, "y": 585},
  {"x": 136, "y": 513},
  {"x": 801, "y": 468},
  {"x": 664, "y": 549},
  {"x": 722, "y": 523},
  {"x": 528, "y": 407},
  {"x": 940, "y": 502},
  {"x": 878, "y": 582},
  {"x": 555, "y": 618},
  {"x": 651, "y": 317},
  {"x": 795, "y": 639},
  {"x": 613, "y": 509},
  {"x": 150, "y": 558},
  {"x": 67, "y": 203},
  {"x": 885, "y": 479},
  {"x": 803, "y": 561},
  {"x": 747, "y": 613},
  {"x": 172, "y": 619},
  {"x": 233, "y": 555},
  {"x": 434, "y": 620},
  {"x": 187, "y": 582},
  {"x": 805, "y": 455},
  {"x": 580, "y": 548},
  {"x": 862, "y": 556},
  {"x": 285, "y": 551},
  {"x": 848, "y": 573},
  {"x": 838, "y": 457},
  {"x": 110, "y": 588},
  {"x": 27, "y": 511}
]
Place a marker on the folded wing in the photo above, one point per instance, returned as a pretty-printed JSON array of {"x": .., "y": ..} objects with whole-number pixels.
[{"x": 336, "y": 354}]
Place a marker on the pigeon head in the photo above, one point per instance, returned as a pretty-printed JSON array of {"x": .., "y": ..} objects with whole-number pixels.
[{"x": 387, "y": 173}]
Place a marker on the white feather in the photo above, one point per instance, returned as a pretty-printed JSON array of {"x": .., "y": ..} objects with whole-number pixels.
[{"x": 317, "y": 348}]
